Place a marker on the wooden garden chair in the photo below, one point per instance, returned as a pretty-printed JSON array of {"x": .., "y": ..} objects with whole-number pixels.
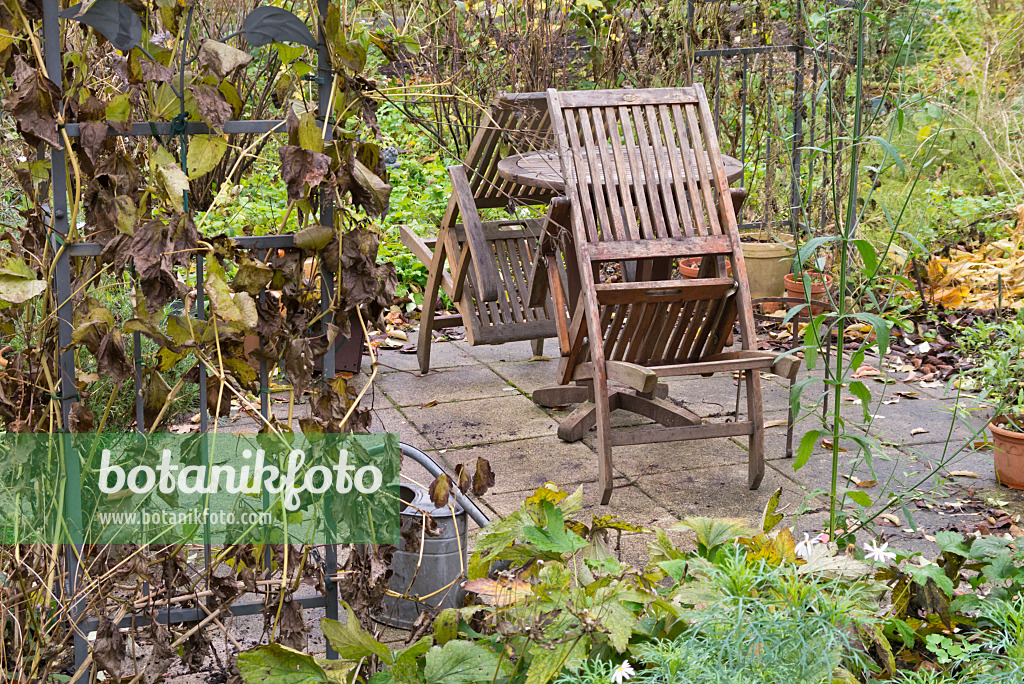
[
  {"x": 645, "y": 182},
  {"x": 483, "y": 266}
]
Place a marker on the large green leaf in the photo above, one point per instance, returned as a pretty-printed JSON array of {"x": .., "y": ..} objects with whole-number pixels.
[
  {"x": 277, "y": 664},
  {"x": 460, "y": 661},
  {"x": 351, "y": 641},
  {"x": 554, "y": 539},
  {"x": 204, "y": 153}
]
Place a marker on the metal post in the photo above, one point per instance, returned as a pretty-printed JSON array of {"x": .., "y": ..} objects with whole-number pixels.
[
  {"x": 325, "y": 77},
  {"x": 795, "y": 205},
  {"x": 62, "y": 276}
]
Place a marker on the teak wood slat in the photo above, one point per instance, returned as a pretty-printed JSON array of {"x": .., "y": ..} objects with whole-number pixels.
[{"x": 646, "y": 182}]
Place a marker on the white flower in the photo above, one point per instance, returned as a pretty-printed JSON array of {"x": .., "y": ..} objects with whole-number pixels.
[
  {"x": 622, "y": 672},
  {"x": 803, "y": 549},
  {"x": 876, "y": 553}
]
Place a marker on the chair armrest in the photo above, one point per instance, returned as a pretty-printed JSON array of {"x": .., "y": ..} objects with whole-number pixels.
[{"x": 488, "y": 283}]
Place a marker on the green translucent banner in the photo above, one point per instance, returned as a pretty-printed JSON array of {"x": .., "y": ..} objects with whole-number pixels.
[{"x": 192, "y": 489}]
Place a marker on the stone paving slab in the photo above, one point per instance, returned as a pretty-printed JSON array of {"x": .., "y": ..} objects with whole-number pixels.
[
  {"x": 442, "y": 386},
  {"x": 481, "y": 421}
]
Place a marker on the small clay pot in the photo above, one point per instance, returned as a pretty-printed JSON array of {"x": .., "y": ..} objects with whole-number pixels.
[
  {"x": 690, "y": 267},
  {"x": 1008, "y": 453},
  {"x": 795, "y": 289}
]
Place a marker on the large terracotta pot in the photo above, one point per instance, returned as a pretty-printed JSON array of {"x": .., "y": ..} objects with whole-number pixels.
[
  {"x": 795, "y": 289},
  {"x": 1008, "y": 453},
  {"x": 767, "y": 261}
]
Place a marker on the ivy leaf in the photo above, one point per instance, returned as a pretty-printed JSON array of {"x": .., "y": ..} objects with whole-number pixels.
[
  {"x": 459, "y": 662},
  {"x": 483, "y": 477},
  {"x": 204, "y": 153},
  {"x": 277, "y": 664}
]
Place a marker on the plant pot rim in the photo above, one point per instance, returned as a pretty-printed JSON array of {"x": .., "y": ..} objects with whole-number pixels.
[
  {"x": 815, "y": 280},
  {"x": 996, "y": 426}
]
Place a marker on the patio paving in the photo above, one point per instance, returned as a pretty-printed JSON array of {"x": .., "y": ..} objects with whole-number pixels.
[{"x": 476, "y": 402}]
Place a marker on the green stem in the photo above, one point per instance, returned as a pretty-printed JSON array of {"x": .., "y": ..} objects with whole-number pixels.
[{"x": 848, "y": 233}]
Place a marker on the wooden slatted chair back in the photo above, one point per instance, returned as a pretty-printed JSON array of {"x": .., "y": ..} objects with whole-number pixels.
[
  {"x": 513, "y": 124},
  {"x": 645, "y": 176}
]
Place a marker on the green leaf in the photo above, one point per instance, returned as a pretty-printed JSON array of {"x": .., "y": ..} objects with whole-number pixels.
[
  {"x": 921, "y": 575},
  {"x": 619, "y": 623},
  {"x": 905, "y": 631},
  {"x": 881, "y": 327},
  {"x": 769, "y": 518},
  {"x": 797, "y": 391},
  {"x": 310, "y": 137},
  {"x": 547, "y": 663},
  {"x": 676, "y": 568},
  {"x": 446, "y": 626},
  {"x": 951, "y": 542},
  {"x": 555, "y": 538},
  {"x": 803, "y": 452},
  {"x": 459, "y": 661},
  {"x": 858, "y": 497},
  {"x": 175, "y": 183},
  {"x": 868, "y": 254},
  {"x": 887, "y": 146},
  {"x": 119, "y": 109},
  {"x": 861, "y": 391},
  {"x": 351, "y": 641},
  {"x": 204, "y": 153},
  {"x": 277, "y": 664}
]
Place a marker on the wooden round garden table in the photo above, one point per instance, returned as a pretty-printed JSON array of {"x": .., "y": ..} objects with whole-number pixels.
[{"x": 542, "y": 169}]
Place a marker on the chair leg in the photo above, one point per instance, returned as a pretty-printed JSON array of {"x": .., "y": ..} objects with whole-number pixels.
[
  {"x": 755, "y": 414},
  {"x": 430, "y": 294},
  {"x": 538, "y": 346},
  {"x": 604, "y": 434},
  {"x": 789, "y": 423}
]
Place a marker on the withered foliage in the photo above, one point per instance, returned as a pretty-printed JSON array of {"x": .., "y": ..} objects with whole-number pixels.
[{"x": 137, "y": 199}]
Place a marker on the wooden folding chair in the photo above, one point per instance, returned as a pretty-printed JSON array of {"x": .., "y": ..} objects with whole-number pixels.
[
  {"x": 645, "y": 181},
  {"x": 490, "y": 261}
]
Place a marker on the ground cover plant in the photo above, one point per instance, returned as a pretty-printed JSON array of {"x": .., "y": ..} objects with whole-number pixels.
[{"x": 553, "y": 603}]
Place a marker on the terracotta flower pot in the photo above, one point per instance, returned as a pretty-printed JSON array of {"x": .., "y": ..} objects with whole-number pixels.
[
  {"x": 1008, "y": 453},
  {"x": 795, "y": 289},
  {"x": 690, "y": 267}
]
